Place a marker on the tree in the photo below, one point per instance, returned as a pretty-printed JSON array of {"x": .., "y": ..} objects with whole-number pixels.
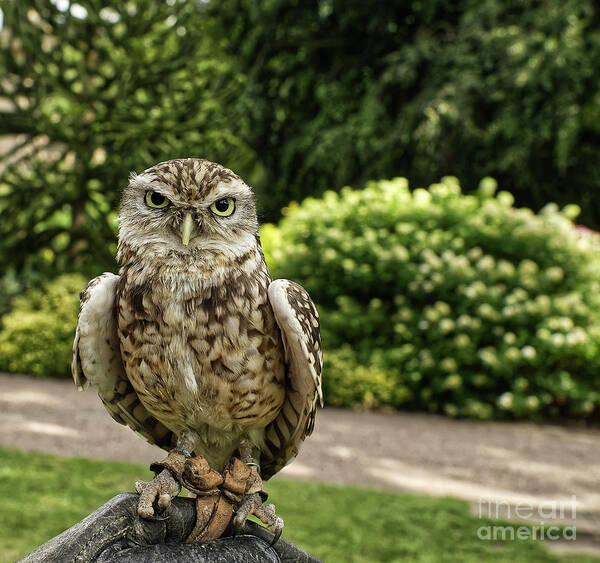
[
  {"x": 341, "y": 92},
  {"x": 89, "y": 92}
]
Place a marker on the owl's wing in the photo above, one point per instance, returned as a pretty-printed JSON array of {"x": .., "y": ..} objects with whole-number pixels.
[
  {"x": 298, "y": 321},
  {"x": 97, "y": 360}
]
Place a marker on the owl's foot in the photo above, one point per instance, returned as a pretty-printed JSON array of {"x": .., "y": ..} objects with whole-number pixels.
[
  {"x": 164, "y": 487},
  {"x": 253, "y": 504},
  {"x": 243, "y": 485}
]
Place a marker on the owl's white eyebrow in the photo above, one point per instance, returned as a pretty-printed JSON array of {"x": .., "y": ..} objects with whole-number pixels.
[
  {"x": 160, "y": 189},
  {"x": 222, "y": 195},
  {"x": 138, "y": 181},
  {"x": 145, "y": 182},
  {"x": 151, "y": 185},
  {"x": 235, "y": 190}
]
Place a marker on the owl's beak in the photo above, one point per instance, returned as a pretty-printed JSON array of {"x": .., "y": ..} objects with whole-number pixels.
[{"x": 187, "y": 229}]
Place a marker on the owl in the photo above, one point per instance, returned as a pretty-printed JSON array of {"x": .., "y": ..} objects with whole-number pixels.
[{"x": 193, "y": 345}]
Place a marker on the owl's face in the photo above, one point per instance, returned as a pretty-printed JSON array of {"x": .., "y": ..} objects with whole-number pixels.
[{"x": 185, "y": 207}]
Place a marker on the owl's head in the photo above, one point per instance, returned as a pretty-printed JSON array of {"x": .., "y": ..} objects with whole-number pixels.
[{"x": 184, "y": 207}]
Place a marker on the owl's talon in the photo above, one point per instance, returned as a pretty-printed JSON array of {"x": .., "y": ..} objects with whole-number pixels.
[
  {"x": 164, "y": 501},
  {"x": 249, "y": 505},
  {"x": 277, "y": 531},
  {"x": 266, "y": 514},
  {"x": 163, "y": 487},
  {"x": 253, "y": 504}
]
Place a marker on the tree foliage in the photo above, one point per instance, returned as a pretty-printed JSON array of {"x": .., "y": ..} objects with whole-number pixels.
[
  {"x": 90, "y": 91},
  {"x": 342, "y": 92},
  {"x": 298, "y": 97}
]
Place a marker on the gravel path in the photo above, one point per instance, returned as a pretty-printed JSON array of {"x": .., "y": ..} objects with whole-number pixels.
[{"x": 507, "y": 464}]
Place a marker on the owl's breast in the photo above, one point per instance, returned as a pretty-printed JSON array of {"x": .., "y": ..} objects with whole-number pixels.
[{"x": 211, "y": 356}]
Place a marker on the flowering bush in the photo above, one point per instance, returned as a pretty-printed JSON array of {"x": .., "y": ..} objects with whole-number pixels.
[{"x": 452, "y": 303}]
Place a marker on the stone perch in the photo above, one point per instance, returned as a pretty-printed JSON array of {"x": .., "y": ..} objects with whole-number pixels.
[{"x": 116, "y": 533}]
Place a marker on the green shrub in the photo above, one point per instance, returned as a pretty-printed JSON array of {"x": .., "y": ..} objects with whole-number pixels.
[
  {"x": 37, "y": 335},
  {"x": 350, "y": 384},
  {"x": 468, "y": 305}
]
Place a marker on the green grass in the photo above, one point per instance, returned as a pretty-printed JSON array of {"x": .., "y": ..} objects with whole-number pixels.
[{"x": 41, "y": 495}]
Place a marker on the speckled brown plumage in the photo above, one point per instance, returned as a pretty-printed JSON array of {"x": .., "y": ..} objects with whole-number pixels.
[
  {"x": 193, "y": 343},
  {"x": 205, "y": 354}
]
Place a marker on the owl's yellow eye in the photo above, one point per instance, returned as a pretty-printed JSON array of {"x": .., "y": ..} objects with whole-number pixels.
[
  {"x": 156, "y": 200},
  {"x": 223, "y": 207}
]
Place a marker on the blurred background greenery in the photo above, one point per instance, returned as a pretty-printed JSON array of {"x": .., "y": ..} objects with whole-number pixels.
[{"x": 449, "y": 299}]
